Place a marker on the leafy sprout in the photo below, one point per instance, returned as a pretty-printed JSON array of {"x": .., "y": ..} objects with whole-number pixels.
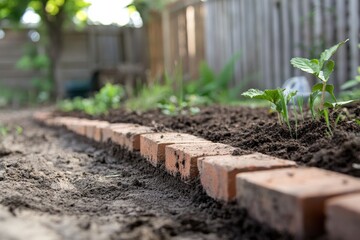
[
  {"x": 278, "y": 99},
  {"x": 321, "y": 68}
]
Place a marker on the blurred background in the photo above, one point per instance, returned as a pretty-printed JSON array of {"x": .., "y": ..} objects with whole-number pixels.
[{"x": 56, "y": 49}]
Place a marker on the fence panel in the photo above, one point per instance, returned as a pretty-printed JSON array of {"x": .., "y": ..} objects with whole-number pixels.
[
  {"x": 96, "y": 47},
  {"x": 268, "y": 33}
]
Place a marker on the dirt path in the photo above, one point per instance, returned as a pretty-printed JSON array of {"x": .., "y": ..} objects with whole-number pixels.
[{"x": 54, "y": 185}]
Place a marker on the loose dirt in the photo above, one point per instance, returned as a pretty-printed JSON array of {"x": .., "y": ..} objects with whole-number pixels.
[{"x": 55, "y": 185}]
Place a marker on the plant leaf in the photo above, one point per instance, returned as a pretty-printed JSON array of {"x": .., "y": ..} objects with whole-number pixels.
[
  {"x": 313, "y": 96},
  {"x": 350, "y": 84},
  {"x": 328, "y": 53},
  {"x": 328, "y": 69},
  {"x": 254, "y": 93},
  {"x": 274, "y": 95},
  {"x": 329, "y": 88},
  {"x": 306, "y": 65},
  {"x": 290, "y": 95},
  {"x": 337, "y": 104}
]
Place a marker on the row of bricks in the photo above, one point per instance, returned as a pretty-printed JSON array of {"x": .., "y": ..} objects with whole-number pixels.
[{"x": 274, "y": 191}]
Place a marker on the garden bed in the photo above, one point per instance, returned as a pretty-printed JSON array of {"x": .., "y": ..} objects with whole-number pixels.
[{"x": 258, "y": 130}]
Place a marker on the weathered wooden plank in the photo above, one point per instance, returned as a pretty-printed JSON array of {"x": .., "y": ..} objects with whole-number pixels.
[
  {"x": 354, "y": 36},
  {"x": 341, "y": 67},
  {"x": 286, "y": 32},
  {"x": 276, "y": 40}
]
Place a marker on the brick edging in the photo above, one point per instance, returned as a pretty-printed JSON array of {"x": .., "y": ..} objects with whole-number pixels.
[{"x": 274, "y": 191}]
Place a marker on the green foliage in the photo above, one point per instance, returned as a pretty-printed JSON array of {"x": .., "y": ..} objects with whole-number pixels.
[
  {"x": 278, "y": 99},
  {"x": 3, "y": 131},
  {"x": 175, "y": 106},
  {"x": 352, "y": 83},
  {"x": 149, "y": 96},
  {"x": 6, "y": 130},
  {"x": 214, "y": 86},
  {"x": 322, "y": 68},
  {"x": 13, "y": 10},
  {"x": 107, "y": 98}
]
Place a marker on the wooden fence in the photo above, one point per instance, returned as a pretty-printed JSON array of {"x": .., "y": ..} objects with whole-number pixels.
[
  {"x": 96, "y": 47},
  {"x": 268, "y": 33},
  {"x": 184, "y": 36}
]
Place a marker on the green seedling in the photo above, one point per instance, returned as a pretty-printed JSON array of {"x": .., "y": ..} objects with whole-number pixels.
[
  {"x": 278, "y": 99},
  {"x": 19, "y": 130},
  {"x": 321, "y": 68},
  {"x": 109, "y": 97},
  {"x": 3, "y": 131},
  {"x": 296, "y": 116},
  {"x": 300, "y": 102},
  {"x": 325, "y": 112}
]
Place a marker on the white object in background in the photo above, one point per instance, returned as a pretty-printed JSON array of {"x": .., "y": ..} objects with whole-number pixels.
[{"x": 299, "y": 84}]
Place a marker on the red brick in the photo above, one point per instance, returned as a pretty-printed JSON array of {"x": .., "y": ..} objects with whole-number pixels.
[
  {"x": 91, "y": 127},
  {"x": 152, "y": 146},
  {"x": 129, "y": 137},
  {"x": 107, "y": 132},
  {"x": 182, "y": 158},
  {"x": 218, "y": 173},
  {"x": 98, "y": 131},
  {"x": 42, "y": 116},
  {"x": 292, "y": 200},
  {"x": 343, "y": 217},
  {"x": 79, "y": 126}
]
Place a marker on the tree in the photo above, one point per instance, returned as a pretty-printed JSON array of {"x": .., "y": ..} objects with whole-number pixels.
[{"x": 54, "y": 15}]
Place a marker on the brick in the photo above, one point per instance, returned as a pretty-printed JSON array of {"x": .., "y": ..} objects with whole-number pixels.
[
  {"x": 42, "y": 116},
  {"x": 343, "y": 217},
  {"x": 182, "y": 158},
  {"x": 292, "y": 200},
  {"x": 218, "y": 173},
  {"x": 152, "y": 146},
  {"x": 129, "y": 137},
  {"x": 107, "y": 132},
  {"x": 98, "y": 131},
  {"x": 91, "y": 127},
  {"x": 79, "y": 126}
]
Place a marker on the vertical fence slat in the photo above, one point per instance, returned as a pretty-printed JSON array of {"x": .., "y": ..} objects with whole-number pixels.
[
  {"x": 354, "y": 35},
  {"x": 341, "y": 35}
]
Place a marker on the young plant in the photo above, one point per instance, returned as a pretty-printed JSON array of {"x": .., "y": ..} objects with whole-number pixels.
[
  {"x": 321, "y": 68},
  {"x": 278, "y": 99}
]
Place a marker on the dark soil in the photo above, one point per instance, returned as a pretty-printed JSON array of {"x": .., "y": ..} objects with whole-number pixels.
[
  {"x": 54, "y": 185},
  {"x": 258, "y": 130}
]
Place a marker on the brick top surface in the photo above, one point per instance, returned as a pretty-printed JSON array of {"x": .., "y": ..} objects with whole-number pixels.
[
  {"x": 132, "y": 130},
  {"x": 251, "y": 161},
  {"x": 203, "y": 149},
  {"x": 122, "y": 125},
  {"x": 350, "y": 202},
  {"x": 171, "y": 137},
  {"x": 304, "y": 182}
]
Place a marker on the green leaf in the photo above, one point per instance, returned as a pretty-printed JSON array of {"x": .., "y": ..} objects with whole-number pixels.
[
  {"x": 328, "y": 53},
  {"x": 313, "y": 96},
  {"x": 337, "y": 104},
  {"x": 290, "y": 95},
  {"x": 306, "y": 65},
  {"x": 328, "y": 69},
  {"x": 254, "y": 93},
  {"x": 329, "y": 88},
  {"x": 350, "y": 84}
]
